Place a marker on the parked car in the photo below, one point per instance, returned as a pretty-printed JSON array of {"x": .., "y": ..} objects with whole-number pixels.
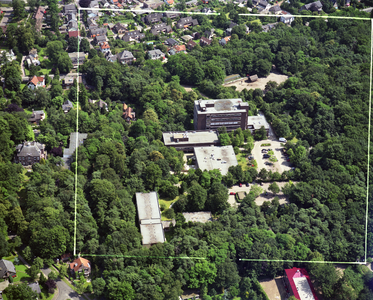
[
  {"x": 232, "y": 193},
  {"x": 293, "y": 168},
  {"x": 250, "y": 157},
  {"x": 281, "y": 139},
  {"x": 264, "y": 151},
  {"x": 247, "y": 184},
  {"x": 266, "y": 156},
  {"x": 288, "y": 159},
  {"x": 240, "y": 184}
]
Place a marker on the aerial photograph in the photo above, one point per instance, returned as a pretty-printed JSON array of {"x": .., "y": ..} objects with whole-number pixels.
[{"x": 174, "y": 150}]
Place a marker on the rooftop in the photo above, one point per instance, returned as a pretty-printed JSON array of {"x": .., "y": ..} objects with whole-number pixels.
[
  {"x": 152, "y": 234},
  {"x": 193, "y": 137},
  {"x": 257, "y": 122},
  {"x": 148, "y": 207},
  {"x": 300, "y": 283},
  {"x": 201, "y": 216},
  {"x": 210, "y": 158},
  {"x": 76, "y": 139},
  {"x": 220, "y": 105}
]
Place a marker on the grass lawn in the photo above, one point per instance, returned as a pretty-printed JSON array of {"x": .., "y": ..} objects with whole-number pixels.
[
  {"x": 241, "y": 159},
  {"x": 23, "y": 85},
  {"x": 21, "y": 272},
  {"x": 45, "y": 71},
  {"x": 167, "y": 204},
  {"x": 27, "y": 72},
  {"x": 110, "y": 33},
  {"x": 294, "y": 140},
  {"x": 219, "y": 32}
]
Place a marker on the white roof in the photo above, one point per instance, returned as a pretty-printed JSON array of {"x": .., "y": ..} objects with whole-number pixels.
[{"x": 303, "y": 288}]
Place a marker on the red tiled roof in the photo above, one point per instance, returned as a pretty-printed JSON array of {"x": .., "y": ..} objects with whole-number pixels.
[
  {"x": 124, "y": 107},
  {"x": 78, "y": 263},
  {"x": 104, "y": 45},
  {"x": 292, "y": 273},
  {"x": 179, "y": 48},
  {"x": 35, "y": 80},
  {"x": 74, "y": 33},
  {"x": 227, "y": 38},
  {"x": 119, "y": 5}
]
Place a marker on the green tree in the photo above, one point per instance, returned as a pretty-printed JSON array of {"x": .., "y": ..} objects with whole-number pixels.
[
  {"x": 153, "y": 175},
  {"x": 72, "y": 43},
  {"x": 274, "y": 188},
  {"x": 38, "y": 262},
  {"x": 98, "y": 285},
  {"x": 33, "y": 272},
  {"x": 224, "y": 139},
  {"x": 20, "y": 291},
  {"x": 19, "y": 11},
  {"x": 202, "y": 273},
  {"x": 120, "y": 290},
  {"x": 3, "y": 246},
  {"x": 196, "y": 198},
  {"x": 84, "y": 45}
]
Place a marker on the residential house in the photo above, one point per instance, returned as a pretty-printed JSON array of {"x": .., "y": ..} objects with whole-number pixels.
[
  {"x": 171, "y": 52},
  {"x": 37, "y": 116},
  {"x": 128, "y": 113},
  {"x": 72, "y": 25},
  {"x": 32, "y": 58},
  {"x": 9, "y": 55},
  {"x": 35, "y": 287},
  {"x": 69, "y": 8},
  {"x": 261, "y": 5},
  {"x": 152, "y": 18},
  {"x": 66, "y": 106},
  {"x": 186, "y": 22},
  {"x": 209, "y": 33},
  {"x": 169, "y": 2},
  {"x": 286, "y": 18},
  {"x": 125, "y": 57},
  {"x": 186, "y": 38},
  {"x": 153, "y": 4},
  {"x": 268, "y": 27},
  {"x": 77, "y": 58},
  {"x": 104, "y": 47},
  {"x": 80, "y": 265},
  {"x": 205, "y": 41},
  {"x": 314, "y": 6},
  {"x": 36, "y": 82},
  {"x": 156, "y": 54},
  {"x": 171, "y": 14},
  {"x": 191, "y": 44},
  {"x": 134, "y": 35},
  {"x": 228, "y": 31},
  {"x": 30, "y": 153},
  {"x": 110, "y": 57},
  {"x": 74, "y": 33},
  {"x": 163, "y": 27},
  {"x": 196, "y": 35},
  {"x": 205, "y": 1},
  {"x": 180, "y": 48},
  {"x": 276, "y": 9},
  {"x": 76, "y": 139},
  {"x": 70, "y": 17},
  {"x": 99, "y": 39},
  {"x": 7, "y": 269},
  {"x": 120, "y": 28},
  {"x": 102, "y": 104},
  {"x": 191, "y": 3},
  {"x": 207, "y": 10},
  {"x": 225, "y": 40},
  {"x": 96, "y": 32},
  {"x": 171, "y": 42},
  {"x": 68, "y": 81}
]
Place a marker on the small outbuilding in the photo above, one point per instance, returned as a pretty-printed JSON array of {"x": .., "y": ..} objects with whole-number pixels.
[{"x": 253, "y": 78}]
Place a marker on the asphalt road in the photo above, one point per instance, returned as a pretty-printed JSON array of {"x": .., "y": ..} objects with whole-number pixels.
[{"x": 64, "y": 291}]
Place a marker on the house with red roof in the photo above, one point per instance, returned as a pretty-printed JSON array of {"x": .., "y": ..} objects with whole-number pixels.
[
  {"x": 36, "y": 82},
  {"x": 74, "y": 33},
  {"x": 299, "y": 285},
  {"x": 80, "y": 265},
  {"x": 104, "y": 47},
  {"x": 128, "y": 114},
  {"x": 180, "y": 48}
]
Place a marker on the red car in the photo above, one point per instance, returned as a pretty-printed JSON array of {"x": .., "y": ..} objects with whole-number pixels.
[
  {"x": 232, "y": 193},
  {"x": 288, "y": 159},
  {"x": 240, "y": 184}
]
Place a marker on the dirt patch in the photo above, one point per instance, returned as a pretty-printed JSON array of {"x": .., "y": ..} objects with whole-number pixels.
[
  {"x": 274, "y": 288},
  {"x": 259, "y": 84}
]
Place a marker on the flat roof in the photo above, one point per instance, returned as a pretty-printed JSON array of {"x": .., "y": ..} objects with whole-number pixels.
[
  {"x": 148, "y": 208},
  {"x": 257, "y": 122},
  {"x": 152, "y": 234},
  {"x": 220, "y": 105},
  {"x": 210, "y": 158},
  {"x": 303, "y": 288},
  {"x": 194, "y": 137},
  {"x": 201, "y": 216}
]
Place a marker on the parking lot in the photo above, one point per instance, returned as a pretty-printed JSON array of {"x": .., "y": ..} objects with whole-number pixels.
[
  {"x": 280, "y": 166},
  {"x": 261, "y": 198}
]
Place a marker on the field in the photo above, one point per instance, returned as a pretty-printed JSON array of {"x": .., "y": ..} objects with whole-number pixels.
[
  {"x": 259, "y": 84},
  {"x": 274, "y": 288}
]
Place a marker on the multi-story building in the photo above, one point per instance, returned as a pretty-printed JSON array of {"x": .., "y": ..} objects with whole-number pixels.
[
  {"x": 212, "y": 114},
  {"x": 30, "y": 153}
]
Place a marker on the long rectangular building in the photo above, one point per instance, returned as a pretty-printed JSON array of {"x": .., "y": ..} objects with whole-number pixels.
[
  {"x": 212, "y": 114},
  {"x": 149, "y": 218},
  {"x": 187, "y": 140}
]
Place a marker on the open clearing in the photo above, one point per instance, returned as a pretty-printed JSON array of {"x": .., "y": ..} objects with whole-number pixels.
[
  {"x": 259, "y": 84},
  {"x": 274, "y": 288}
]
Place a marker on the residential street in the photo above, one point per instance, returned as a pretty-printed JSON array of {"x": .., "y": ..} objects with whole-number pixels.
[{"x": 64, "y": 291}]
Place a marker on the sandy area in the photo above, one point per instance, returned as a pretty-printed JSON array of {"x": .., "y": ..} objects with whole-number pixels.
[
  {"x": 259, "y": 84},
  {"x": 274, "y": 288}
]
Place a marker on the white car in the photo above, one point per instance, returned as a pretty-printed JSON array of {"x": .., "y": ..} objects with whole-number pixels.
[{"x": 281, "y": 139}]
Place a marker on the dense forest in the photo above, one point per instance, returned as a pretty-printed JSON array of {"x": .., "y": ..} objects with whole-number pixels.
[{"x": 324, "y": 105}]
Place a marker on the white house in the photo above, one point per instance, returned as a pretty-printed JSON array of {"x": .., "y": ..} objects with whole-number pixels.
[
  {"x": 104, "y": 47},
  {"x": 36, "y": 82},
  {"x": 286, "y": 18}
]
